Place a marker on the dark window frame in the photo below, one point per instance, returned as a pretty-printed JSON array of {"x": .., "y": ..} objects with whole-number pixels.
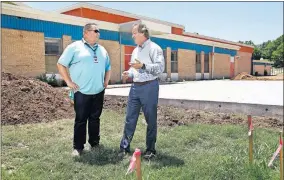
[
  {"x": 174, "y": 62},
  {"x": 55, "y": 46}
]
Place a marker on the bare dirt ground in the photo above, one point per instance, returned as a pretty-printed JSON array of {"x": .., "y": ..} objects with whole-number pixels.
[
  {"x": 28, "y": 100},
  {"x": 246, "y": 76},
  {"x": 172, "y": 116}
]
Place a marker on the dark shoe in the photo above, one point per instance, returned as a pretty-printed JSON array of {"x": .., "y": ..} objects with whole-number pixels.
[
  {"x": 97, "y": 147},
  {"x": 123, "y": 153},
  {"x": 149, "y": 154}
]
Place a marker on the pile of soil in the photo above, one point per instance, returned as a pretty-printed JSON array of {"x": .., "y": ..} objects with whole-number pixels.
[
  {"x": 173, "y": 116},
  {"x": 29, "y": 100},
  {"x": 244, "y": 75}
]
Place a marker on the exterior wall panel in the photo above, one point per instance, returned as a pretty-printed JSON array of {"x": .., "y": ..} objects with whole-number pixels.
[{"x": 23, "y": 52}]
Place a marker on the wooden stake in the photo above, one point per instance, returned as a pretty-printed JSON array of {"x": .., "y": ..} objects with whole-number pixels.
[
  {"x": 250, "y": 140},
  {"x": 282, "y": 154},
  {"x": 138, "y": 164},
  {"x": 281, "y": 159}
]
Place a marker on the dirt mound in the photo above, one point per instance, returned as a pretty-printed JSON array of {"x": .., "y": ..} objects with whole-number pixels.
[
  {"x": 244, "y": 75},
  {"x": 28, "y": 100}
]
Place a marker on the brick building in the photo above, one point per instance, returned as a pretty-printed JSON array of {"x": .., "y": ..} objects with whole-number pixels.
[{"x": 33, "y": 40}]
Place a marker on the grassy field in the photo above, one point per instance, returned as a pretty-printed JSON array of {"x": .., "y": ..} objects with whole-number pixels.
[{"x": 42, "y": 151}]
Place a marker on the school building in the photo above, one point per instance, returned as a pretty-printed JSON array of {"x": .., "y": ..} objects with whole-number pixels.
[{"x": 33, "y": 40}]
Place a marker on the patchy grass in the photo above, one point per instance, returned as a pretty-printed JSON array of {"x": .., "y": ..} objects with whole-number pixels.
[{"x": 195, "y": 151}]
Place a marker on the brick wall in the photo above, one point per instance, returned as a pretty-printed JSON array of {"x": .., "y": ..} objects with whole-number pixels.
[
  {"x": 66, "y": 40},
  {"x": 259, "y": 69},
  {"x": 113, "y": 49},
  {"x": 186, "y": 64},
  {"x": 122, "y": 58},
  {"x": 243, "y": 63},
  {"x": 168, "y": 61},
  {"x": 221, "y": 66},
  {"x": 22, "y": 52},
  {"x": 268, "y": 69}
]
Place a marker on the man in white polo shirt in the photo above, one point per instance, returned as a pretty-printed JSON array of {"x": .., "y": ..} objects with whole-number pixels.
[
  {"x": 147, "y": 62},
  {"x": 89, "y": 67}
]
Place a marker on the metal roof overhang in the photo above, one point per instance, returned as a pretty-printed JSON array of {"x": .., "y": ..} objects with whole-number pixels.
[{"x": 154, "y": 28}]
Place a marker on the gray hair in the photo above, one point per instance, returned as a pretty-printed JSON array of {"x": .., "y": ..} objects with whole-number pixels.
[
  {"x": 142, "y": 28},
  {"x": 89, "y": 26}
]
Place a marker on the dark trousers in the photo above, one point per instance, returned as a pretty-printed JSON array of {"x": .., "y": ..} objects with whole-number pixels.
[
  {"x": 87, "y": 107},
  {"x": 145, "y": 96}
]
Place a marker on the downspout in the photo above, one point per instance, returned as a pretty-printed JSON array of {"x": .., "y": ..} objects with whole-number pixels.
[
  {"x": 251, "y": 69},
  {"x": 213, "y": 61},
  {"x": 120, "y": 56}
]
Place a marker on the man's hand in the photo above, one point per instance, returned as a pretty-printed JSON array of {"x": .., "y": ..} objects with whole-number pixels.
[
  {"x": 136, "y": 65},
  {"x": 125, "y": 75},
  {"x": 105, "y": 84},
  {"x": 72, "y": 85}
]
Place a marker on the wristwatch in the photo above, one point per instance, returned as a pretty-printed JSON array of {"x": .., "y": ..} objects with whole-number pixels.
[{"x": 143, "y": 66}]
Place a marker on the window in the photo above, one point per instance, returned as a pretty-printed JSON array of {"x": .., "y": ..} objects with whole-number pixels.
[
  {"x": 174, "y": 62},
  {"x": 53, "y": 49},
  {"x": 53, "y": 46},
  {"x": 198, "y": 62},
  {"x": 165, "y": 58},
  {"x": 206, "y": 63}
]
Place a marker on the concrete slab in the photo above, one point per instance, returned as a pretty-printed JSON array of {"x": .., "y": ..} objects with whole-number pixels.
[{"x": 259, "y": 98}]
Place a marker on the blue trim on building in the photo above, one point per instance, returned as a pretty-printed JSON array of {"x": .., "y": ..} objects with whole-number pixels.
[
  {"x": 51, "y": 29},
  {"x": 126, "y": 39},
  {"x": 57, "y": 30}
]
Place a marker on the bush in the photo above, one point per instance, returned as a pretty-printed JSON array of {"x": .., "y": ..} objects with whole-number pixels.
[
  {"x": 265, "y": 72},
  {"x": 256, "y": 73},
  {"x": 52, "y": 80}
]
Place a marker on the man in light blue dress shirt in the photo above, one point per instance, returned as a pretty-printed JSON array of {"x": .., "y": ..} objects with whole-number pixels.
[
  {"x": 147, "y": 62},
  {"x": 90, "y": 68}
]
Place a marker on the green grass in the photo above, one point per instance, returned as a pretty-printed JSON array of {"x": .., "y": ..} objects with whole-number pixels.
[{"x": 42, "y": 151}]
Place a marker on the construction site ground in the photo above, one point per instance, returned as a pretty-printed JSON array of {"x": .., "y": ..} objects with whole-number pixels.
[{"x": 28, "y": 100}]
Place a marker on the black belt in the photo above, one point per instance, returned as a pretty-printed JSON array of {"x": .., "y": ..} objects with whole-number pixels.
[{"x": 143, "y": 83}]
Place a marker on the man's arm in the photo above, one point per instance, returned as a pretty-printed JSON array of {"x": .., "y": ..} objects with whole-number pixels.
[
  {"x": 63, "y": 63},
  {"x": 107, "y": 78},
  {"x": 107, "y": 71},
  {"x": 158, "y": 65},
  {"x": 64, "y": 74}
]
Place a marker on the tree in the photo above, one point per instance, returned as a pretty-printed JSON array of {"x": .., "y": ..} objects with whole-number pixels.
[
  {"x": 271, "y": 50},
  {"x": 278, "y": 57},
  {"x": 256, "y": 53}
]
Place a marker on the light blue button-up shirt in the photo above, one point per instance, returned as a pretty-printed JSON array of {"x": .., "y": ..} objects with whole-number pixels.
[
  {"x": 87, "y": 65},
  {"x": 152, "y": 56}
]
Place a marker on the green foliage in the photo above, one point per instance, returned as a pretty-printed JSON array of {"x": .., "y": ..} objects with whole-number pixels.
[
  {"x": 272, "y": 50},
  {"x": 51, "y": 80},
  {"x": 265, "y": 72}
]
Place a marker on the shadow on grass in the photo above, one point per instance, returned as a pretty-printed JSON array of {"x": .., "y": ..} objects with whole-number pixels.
[
  {"x": 164, "y": 160},
  {"x": 100, "y": 157}
]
